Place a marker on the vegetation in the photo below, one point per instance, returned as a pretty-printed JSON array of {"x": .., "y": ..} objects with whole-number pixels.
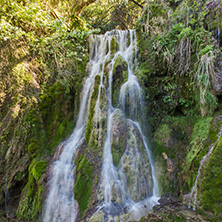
[
  {"x": 43, "y": 56},
  {"x": 179, "y": 68},
  {"x": 108, "y": 15},
  {"x": 84, "y": 182},
  {"x": 42, "y": 62},
  {"x": 181, "y": 48},
  {"x": 210, "y": 195},
  {"x": 120, "y": 75}
]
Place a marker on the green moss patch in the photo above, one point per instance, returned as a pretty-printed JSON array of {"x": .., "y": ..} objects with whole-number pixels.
[
  {"x": 31, "y": 197},
  {"x": 210, "y": 191},
  {"x": 38, "y": 169},
  {"x": 120, "y": 76},
  {"x": 197, "y": 146},
  {"x": 114, "y": 46},
  {"x": 83, "y": 183},
  {"x": 93, "y": 100}
]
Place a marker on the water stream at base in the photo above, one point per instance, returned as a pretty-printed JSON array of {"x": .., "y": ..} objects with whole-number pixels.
[{"x": 60, "y": 205}]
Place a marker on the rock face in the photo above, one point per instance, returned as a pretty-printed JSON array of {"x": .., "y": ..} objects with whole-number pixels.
[
  {"x": 118, "y": 136},
  {"x": 120, "y": 76},
  {"x": 136, "y": 165},
  {"x": 129, "y": 155},
  {"x": 171, "y": 209},
  {"x": 186, "y": 149}
]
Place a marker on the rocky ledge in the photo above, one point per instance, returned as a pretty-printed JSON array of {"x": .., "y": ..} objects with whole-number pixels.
[{"x": 171, "y": 209}]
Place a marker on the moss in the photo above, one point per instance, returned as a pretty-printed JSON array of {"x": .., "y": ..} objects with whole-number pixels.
[
  {"x": 120, "y": 76},
  {"x": 57, "y": 113},
  {"x": 199, "y": 135},
  {"x": 83, "y": 183},
  {"x": 114, "y": 46},
  {"x": 63, "y": 131},
  {"x": 29, "y": 207},
  {"x": 93, "y": 100},
  {"x": 171, "y": 130},
  {"x": 31, "y": 200},
  {"x": 117, "y": 152},
  {"x": 163, "y": 133},
  {"x": 118, "y": 137},
  {"x": 31, "y": 197},
  {"x": 32, "y": 148},
  {"x": 183, "y": 139},
  {"x": 164, "y": 215},
  {"x": 215, "y": 128},
  {"x": 40, "y": 108},
  {"x": 97, "y": 217},
  {"x": 44, "y": 127},
  {"x": 210, "y": 193},
  {"x": 38, "y": 169}
]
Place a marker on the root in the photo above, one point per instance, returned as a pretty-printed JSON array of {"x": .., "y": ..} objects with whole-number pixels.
[
  {"x": 204, "y": 76},
  {"x": 184, "y": 55}
]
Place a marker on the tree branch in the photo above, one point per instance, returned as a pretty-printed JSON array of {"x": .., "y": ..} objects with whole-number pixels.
[{"x": 138, "y": 4}]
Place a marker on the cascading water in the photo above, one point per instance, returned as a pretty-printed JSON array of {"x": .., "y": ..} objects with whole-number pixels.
[
  {"x": 60, "y": 204},
  {"x": 115, "y": 179},
  {"x": 127, "y": 179}
]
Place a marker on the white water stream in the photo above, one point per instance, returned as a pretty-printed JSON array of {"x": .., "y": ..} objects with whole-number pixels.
[{"x": 60, "y": 204}]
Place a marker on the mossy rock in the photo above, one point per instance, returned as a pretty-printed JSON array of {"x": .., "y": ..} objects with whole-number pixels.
[
  {"x": 83, "y": 182},
  {"x": 114, "y": 46},
  {"x": 93, "y": 99},
  {"x": 197, "y": 147},
  {"x": 120, "y": 76},
  {"x": 38, "y": 169},
  {"x": 57, "y": 108},
  {"x": 118, "y": 136},
  {"x": 210, "y": 193},
  {"x": 42, "y": 111},
  {"x": 136, "y": 165},
  {"x": 97, "y": 217},
  {"x": 31, "y": 200},
  {"x": 177, "y": 137},
  {"x": 32, "y": 148}
]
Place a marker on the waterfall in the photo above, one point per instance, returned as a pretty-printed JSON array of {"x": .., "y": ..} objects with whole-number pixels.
[
  {"x": 127, "y": 177},
  {"x": 60, "y": 205},
  {"x": 130, "y": 105}
]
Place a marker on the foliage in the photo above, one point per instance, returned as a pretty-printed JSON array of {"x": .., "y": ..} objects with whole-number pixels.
[
  {"x": 43, "y": 54},
  {"x": 184, "y": 46},
  {"x": 42, "y": 62},
  {"x": 203, "y": 78},
  {"x": 108, "y": 15},
  {"x": 32, "y": 197}
]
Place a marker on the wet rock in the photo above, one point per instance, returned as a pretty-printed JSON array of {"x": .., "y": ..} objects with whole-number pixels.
[
  {"x": 97, "y": 217},
  {"x": 135, "y": 163},
  {"x": 167, "y": 199},
  {"x": 120, "y": 76},
  {"x": 118, "y": 136},
  {"x": 217, "y": 83},
  {"x": 170, "y": 209},
  {"x": 110, "y": 212}
]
